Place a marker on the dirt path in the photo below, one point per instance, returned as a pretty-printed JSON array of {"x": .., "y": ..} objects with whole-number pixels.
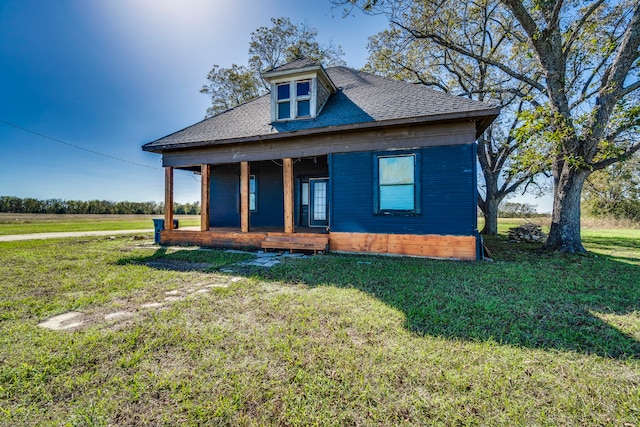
[{"x": 36, "y": 236}]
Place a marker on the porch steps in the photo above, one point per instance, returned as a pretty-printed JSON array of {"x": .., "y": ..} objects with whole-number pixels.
[{"x": 297, "y": 241}]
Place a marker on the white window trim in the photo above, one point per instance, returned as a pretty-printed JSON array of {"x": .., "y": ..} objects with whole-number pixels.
[{"x": 293, "y": 99}]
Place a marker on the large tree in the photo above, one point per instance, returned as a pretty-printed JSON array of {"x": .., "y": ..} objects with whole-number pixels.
[
  {"x": 270, "y": 47},
  {"x": 587, "y": 53},
  {"x": 507, "y": 163}
]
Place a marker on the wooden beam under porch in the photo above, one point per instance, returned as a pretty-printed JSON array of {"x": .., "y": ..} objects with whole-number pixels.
[
  {"x": 312, "y": 239},
  {"x": 308, "y": 239}
]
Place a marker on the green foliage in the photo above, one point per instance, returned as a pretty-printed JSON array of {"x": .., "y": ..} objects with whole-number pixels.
[
  {"x": 614, "y": 191},
  {"x": 270, "y": 47},
  {"x": 58, "y": 206},
  {"x": 285, "y": 41},
  {"x": 229, "y": 87}
]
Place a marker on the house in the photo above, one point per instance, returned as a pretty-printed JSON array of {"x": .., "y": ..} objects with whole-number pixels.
[{"x": 334, "y": 159}]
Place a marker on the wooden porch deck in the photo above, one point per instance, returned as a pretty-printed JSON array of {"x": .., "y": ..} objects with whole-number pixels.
[
  {"x": 308, "y": 239},
  {"x": 313, "y": 239}
]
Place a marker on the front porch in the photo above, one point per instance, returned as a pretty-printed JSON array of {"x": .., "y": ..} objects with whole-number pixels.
[{"x": 265, "y": 196}]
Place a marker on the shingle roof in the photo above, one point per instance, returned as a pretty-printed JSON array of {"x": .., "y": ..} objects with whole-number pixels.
[
  {"x": 361, "y": 98},
  {"x": 298, "y": 63}
]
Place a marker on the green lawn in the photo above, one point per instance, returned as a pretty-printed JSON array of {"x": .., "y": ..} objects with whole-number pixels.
[
  {"x": 533, "y": 338},
  {"x": 44, "y": 223}
]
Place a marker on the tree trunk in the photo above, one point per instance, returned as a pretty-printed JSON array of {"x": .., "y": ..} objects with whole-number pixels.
[
  {"x": 490, "y": 213},
  {"x": 491, "y": 202},
  {"x": 564, "y": 235}
]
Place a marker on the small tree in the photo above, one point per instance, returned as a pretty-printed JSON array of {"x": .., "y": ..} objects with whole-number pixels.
[
  {"x": 517, "y": 210},
  {"x": 270, "y": 47},
  {"x": 615, "y": 191}
]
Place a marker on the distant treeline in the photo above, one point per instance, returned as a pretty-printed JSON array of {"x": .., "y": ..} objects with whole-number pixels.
[{"x": 13, "y": 204}]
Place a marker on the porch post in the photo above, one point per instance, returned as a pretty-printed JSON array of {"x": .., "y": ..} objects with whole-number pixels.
[
  {"x": 168, "y": 198},
  {"x": 205, "y": 174},
  {"x": 244, "y": 197},
  {"x": 287, "y": 175}
]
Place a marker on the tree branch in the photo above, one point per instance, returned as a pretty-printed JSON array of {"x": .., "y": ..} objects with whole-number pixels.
[
  {"x": 454, "y": 47},
  {"x": 612, "y": 86},
  {"x": 627, "y": 90},
  {"x": 623, "y": 61},
  {"x": 576, "y": 30},
  {"x": 607, "y": 162},
  {"x": 554, "y": 19}
]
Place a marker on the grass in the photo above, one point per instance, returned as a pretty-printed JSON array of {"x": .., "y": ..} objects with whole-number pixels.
[
  {"x": 533, "y": 338},
  {"x": 45, "y": 223}
]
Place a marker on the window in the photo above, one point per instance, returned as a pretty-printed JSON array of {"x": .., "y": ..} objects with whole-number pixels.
[
  {"x": 293, "y": 100},
  {"x": 252, "y": 193},
  {"x": 395, "y": 183},
  {"x": 303, "y": 97},
  {"x": 284, "y": 101}
]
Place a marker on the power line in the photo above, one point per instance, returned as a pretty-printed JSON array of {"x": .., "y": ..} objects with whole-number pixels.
[{"x": 76, "y": 146}]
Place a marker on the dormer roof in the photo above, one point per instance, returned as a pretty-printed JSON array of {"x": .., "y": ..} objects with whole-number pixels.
[{"x": 297, "y": 68}]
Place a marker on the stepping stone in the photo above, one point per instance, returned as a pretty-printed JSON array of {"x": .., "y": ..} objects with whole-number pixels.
[
  {"x": 117, "y": 314},
  {"x": 152, "y": 305},
  {"x": 217, "y": 285},
  {"x": 176, "y": 292},
  {"x": 60, "y": 322}
]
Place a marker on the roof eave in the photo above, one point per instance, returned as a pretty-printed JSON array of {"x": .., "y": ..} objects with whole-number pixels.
[{"x": 483, "y": 119}]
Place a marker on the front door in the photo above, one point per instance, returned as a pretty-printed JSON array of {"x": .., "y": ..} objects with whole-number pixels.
[{"x": 318, "y": 202}]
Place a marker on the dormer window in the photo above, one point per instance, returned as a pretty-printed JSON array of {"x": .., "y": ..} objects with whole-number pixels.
[
  {"x": 296, "y": 106},
  {"x": 284, "y": 101},
  {"x": 303, "y": 98},
  {"x": 299, "y": 90}
]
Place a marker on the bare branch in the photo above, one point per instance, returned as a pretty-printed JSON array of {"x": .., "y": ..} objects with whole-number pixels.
[
  {"x": 447, "y": 44},
  {"x": 554, "y": 19},
  {"x": 576, "y": 29},
  {"x": 612, "y": 88},
  {"x": 623, "y": 61},
  {"x": 627, "y": 90}
]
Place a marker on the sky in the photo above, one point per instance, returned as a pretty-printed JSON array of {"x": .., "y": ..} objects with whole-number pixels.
[{"x": 84, "y": 84}]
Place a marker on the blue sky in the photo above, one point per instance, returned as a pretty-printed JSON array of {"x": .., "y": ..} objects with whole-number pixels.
[{"x": 111, "y": 75}]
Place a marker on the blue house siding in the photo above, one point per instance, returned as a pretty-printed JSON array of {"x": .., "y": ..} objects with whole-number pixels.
[
  {"x": 447, "y": 182},
  {"x": 224, "y": 196}
]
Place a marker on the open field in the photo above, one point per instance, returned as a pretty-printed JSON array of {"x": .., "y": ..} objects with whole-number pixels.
[
  {"x": 11, "y": 223},
  {"x": 533, "y": 338}
]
